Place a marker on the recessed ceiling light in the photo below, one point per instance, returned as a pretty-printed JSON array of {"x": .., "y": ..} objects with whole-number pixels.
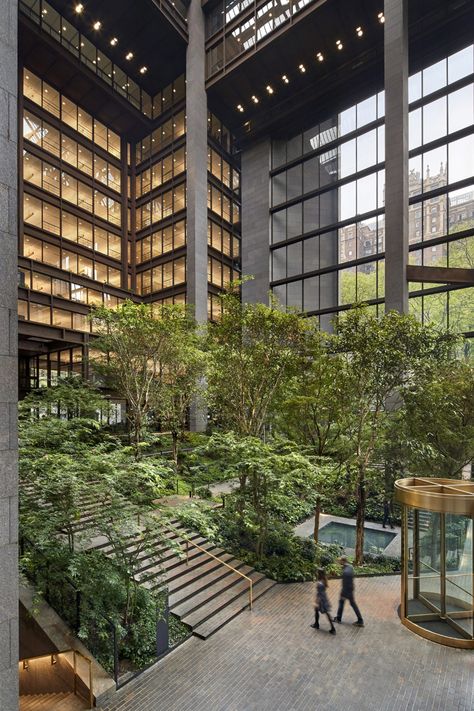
[
  {"x": 359, "y": 31},
  {"x": 129, "y": 56},
  {"x": 143, "y": 70},
  {"x": 302, "y": 68},
  {"x": 79, "y": 8},
  {"x": 255, "y": 99},
  {"x": 381, "y": 17},
  {"x": 269, "y": 89},
  {"x": 320, "y": 57},
  {"x": 285, "y": 79},
  {"x": 114, "y": 41},
  {"x": 339, "y": 44},
  {"x": 240, "y": 107},
  {"x": 97, "y": 25}
]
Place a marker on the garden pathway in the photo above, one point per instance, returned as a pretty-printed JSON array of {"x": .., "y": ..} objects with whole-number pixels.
[
  {"x": 224, "y": 487},
  {"x": 271, "y": 660}
]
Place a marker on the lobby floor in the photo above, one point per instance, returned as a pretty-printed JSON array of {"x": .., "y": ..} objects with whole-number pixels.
[{"x": 270, "y": 659}]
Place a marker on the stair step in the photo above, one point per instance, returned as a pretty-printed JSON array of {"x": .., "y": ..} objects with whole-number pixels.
[
  {"x": 174, "y": 567},
  {"x": 182, "y": 578},
  {"x": 215, "y": 605},
  {"x": 51, "y": 702},
  {"x": 158, "y": 545},
  {"x": 214, "y": 623},
  {"x": 213, "y": 589},
  {"x": 197, "y": 580},
  {"x": 196, "y": 557}
]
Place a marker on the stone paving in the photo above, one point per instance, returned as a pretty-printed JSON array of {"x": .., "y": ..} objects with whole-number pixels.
[{"x": 270, "y": 659}]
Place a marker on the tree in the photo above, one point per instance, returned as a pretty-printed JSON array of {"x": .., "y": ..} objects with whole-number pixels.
[
  {"x": 180, "y": 375},
  {"x": 253, "y": 351},
  {"x": 313, "y": 412},
  {"x": 275, "y": 484},
  {"x": 51, "y": 500},
  {"x": 437, "y": 423},
  {"x": 133, "y": 344},
  {"x": 132, "y": 535},
  {"x": 70, "y": 398},
  {"x": 381, "y": 356}
]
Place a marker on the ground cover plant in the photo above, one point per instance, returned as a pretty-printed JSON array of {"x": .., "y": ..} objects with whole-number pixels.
[
  {"x": 66, "y": 466},
  {"x": 300, "y": 420}
]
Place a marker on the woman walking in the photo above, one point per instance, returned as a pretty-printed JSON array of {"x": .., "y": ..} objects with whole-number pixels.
[{"x": 322, "y": 605}]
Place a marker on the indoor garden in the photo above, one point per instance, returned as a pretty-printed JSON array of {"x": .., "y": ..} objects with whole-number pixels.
[{"x": 309, "y": 423}]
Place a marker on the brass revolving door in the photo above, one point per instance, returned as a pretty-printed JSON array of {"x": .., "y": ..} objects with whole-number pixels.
[{"x": 438, "y": 559}]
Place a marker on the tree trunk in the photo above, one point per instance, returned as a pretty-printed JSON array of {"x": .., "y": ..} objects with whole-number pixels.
[
  {"x": 317, "y": 513},
  {"x": 174, "y": 436},
  {"x": 360, "y": 519},
  {"x": 242, "y": 493},
  {"x": 137, "y": 435}
]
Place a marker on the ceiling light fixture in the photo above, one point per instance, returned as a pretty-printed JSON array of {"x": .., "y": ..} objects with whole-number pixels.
[
  {"x": 114, "y": 41},
  {"x": 143, "y": 70},
  {"x": 339, "y": 44},
  {"x": 97, "y": 25},
  {"x": 359, "y": 31},
  {"x": 79, "y": 8},
  {"x": 320, "y": 57},
  {"x": 254, "y": 99},
  {"x": 129, "y": 56},
  {"x": 302, "y": 68},
  {"x": 285, "y": 79},
  {"x": 240, "y": 107},
  {"x": 381, "y": 17},
  {"x": 269, "y": 89}
]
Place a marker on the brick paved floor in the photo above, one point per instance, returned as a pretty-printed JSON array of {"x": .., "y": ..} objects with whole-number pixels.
[{"x": 272, "y": 659}]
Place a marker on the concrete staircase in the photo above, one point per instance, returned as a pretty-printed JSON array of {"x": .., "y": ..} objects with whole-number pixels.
[
  {"x": 204, "y": 593},
  {"x": 52, "y": 702}
]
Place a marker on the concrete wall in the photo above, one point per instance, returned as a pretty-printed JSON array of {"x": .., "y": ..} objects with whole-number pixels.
[
  {"x": 396, "y": 154},
  {"x": 196, "y": 176},
  {"x": 256, "y": 220},
  {"x": 8, "y": 358},
  {"x": 196, "y": 163}
]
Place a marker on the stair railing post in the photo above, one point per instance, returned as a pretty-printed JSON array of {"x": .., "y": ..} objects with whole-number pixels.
[
  {"x": 75, "y": 671},
  {"x": 251, "y": 595},
  {"x": 91, "y": 684},
  {"x": 78, "y": 610},
  {"x": 162, "y": 629},
  {"x": 187, "y": 552},
  {"x": 116, "y": 656}
]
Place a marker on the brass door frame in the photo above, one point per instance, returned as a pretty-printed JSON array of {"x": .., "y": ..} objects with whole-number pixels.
[{"x": 441, "y": 496}]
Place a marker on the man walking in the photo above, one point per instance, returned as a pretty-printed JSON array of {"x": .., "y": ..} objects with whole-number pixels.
[
  {"x": 347, "y": 593},
  {"x": 387, "y": 513}
]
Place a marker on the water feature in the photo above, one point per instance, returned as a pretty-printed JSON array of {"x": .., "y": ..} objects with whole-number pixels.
[{"x": 345, "y": 535}]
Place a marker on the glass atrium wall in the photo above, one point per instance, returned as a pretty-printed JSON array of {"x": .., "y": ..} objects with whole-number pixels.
[
  {"x": 223, "y": 222},
  {"x": 73, "y": 191},
  {"x": 160, "y": 203},
  {"x": 437, "y": 575},
  {"x": 327, "y": 214}
]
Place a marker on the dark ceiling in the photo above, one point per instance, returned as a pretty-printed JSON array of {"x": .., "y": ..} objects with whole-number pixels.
[
  {"x": 435, "y": 26},
  {"x": 141, "y": 28}
]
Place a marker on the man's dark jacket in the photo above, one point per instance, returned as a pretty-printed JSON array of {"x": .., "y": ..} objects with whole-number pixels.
[{"x": 347, "y": 589}]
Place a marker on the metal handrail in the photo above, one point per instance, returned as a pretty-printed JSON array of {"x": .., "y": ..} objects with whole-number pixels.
[
  {"x": 211, "y": 555},
  {"x": 74, "y": 653}
]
